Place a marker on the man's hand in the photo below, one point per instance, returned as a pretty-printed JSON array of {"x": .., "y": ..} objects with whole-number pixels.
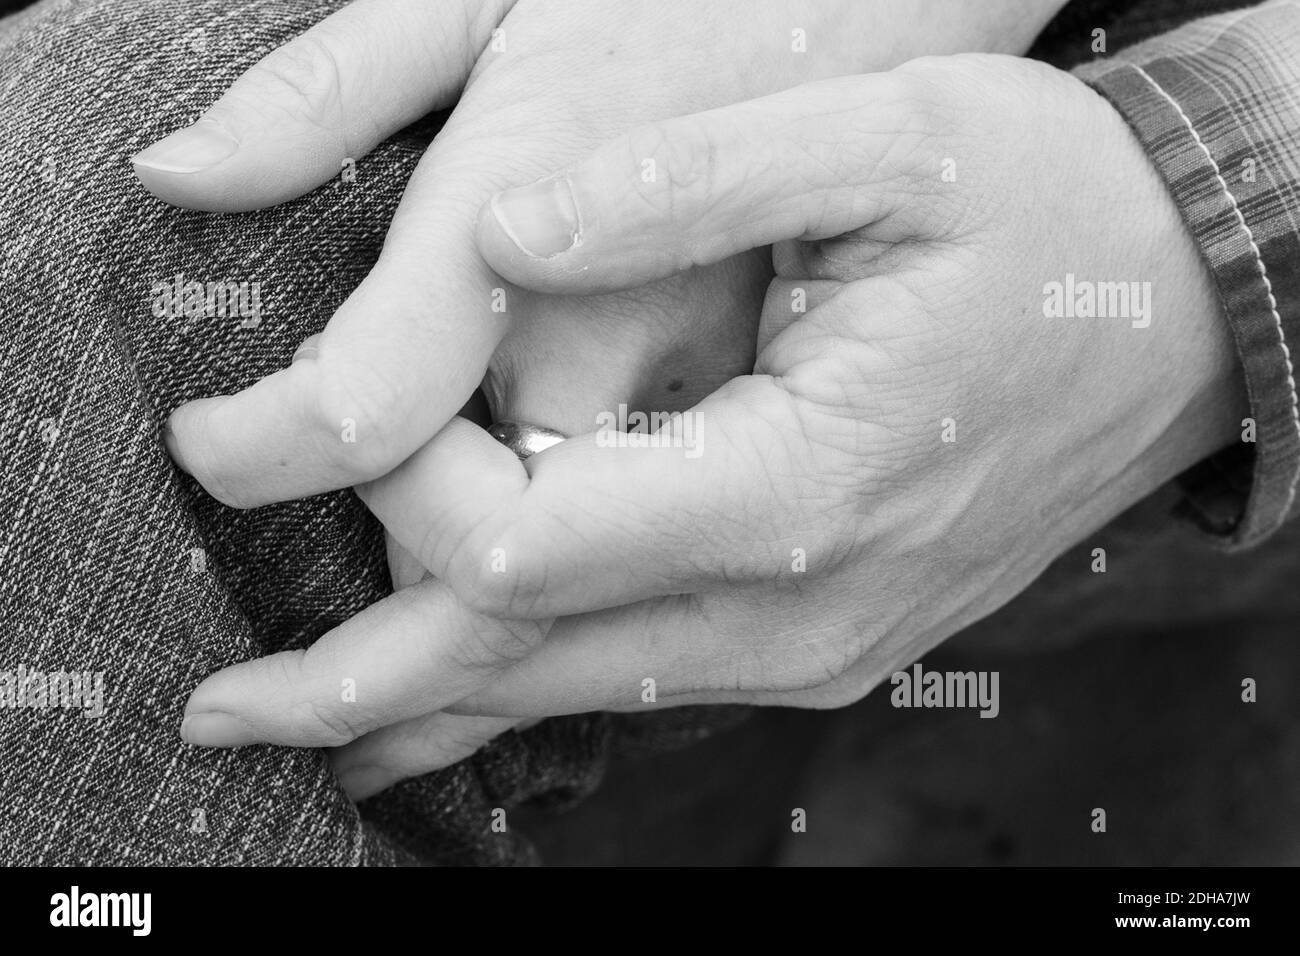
[
  {"x": 927, "y": 426},
  {"x": 552, "y": 82},
  {"x": 542, "y": 84}
]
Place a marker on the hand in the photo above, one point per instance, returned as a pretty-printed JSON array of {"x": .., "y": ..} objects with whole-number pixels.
[
  {"x": 826, "y": 534},
  {"x": 552, "y": 82},
  {"x": 560, "y": 81}
]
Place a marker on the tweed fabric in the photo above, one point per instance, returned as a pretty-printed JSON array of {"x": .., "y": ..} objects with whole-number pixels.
[{"x": 112, "y": 562}]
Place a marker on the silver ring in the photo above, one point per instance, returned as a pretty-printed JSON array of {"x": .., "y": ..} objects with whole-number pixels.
[{"x": 523, "y": 439}]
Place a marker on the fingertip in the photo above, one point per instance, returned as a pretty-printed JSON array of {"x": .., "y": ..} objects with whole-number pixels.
[
  {"x": 196, "y": 148},
  {"x": 541, "y": 220},
  {"x": 500, "y": 251},
  {"x": 185, "y": 168},
  {"x": 265, "y": 444},
  {"x": 217, "y": 729},
  {"x": 213, "y": 693},
  {"x": 575, "y": 235},
  {"x": 228, "y": 167},
  {"x": 187, "y": 436},
  {"x": 533, "y": 236},
  {"x": 224, "y": 190}
]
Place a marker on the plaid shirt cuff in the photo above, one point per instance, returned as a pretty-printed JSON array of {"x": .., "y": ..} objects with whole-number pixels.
[{"x": 1216, "y": 105}]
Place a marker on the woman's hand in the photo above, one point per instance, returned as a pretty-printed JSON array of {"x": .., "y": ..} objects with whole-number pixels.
[
  {"x": 920, "y": 437},
  {"x": 543, "y": 83}
]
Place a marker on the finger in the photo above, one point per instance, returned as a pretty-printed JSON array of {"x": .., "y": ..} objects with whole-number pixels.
[
  {"x": 406, "y": 656},
  {"x": 388, "y": 371},
  {"x": 719, "y": 495},
  {"x": 413, "y": 747},
  {"x": 403, "y": 567},
  {"x": 789, "y": 300},
  {"x": 669, "y": 653},
  {"x": 330, "y": 95},
  {"x": 769, "y": 467},
  {"x": 815, "y": 161},
  {"x": 631, "y": 657}
]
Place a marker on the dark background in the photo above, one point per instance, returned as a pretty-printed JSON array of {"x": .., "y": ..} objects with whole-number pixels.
[{"x": 1151, "y": 727}]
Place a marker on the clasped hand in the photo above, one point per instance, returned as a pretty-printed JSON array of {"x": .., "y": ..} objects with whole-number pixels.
[{"x": 894, "y": 433}]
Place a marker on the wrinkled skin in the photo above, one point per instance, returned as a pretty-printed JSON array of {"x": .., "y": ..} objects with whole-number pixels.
[{"x": 406, "y": 351}]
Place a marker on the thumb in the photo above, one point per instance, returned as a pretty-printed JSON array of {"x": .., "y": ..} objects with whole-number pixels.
[
  {"x": 809, "y": 163},
  {"x": 330, "y": 95}
]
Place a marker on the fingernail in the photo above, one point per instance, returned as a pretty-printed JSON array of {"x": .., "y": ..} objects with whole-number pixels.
[
  {"x": 173, "y": 449},
  {"x": 541, "y": 219},
  {"x": 308, "y": 348},
  {"x": 189, "y": 150},
  {"x": 215, "y": 729}
]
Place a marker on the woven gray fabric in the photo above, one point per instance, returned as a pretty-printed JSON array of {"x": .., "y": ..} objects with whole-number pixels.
[
  {"x": 111, "y": 562},
  {"x": 114, "y": 564}
]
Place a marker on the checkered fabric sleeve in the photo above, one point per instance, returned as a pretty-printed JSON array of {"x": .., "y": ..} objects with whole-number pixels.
[{"x": 1216, "y": 104}]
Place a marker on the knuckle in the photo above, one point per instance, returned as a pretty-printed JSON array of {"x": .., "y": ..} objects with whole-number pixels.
[
  {"x": 509, "y": 593},
  {"x": 324, "y": 725},
  {"x": 922, "y": 111},
  {"x": 493, "y": 644},
  {"x": 675, "y": 165},
  {"x": 917, "y": 91},
  {"x": 810, "y": 459},
  {"x": 820, "y": 468},
  {"x": 357, "y": 418},
  {"x": 495, "y": 574},
  {"x": 308, "y": 718},
  {"x": 303, "y": 79},
  {"x": 872, "y": 336}
]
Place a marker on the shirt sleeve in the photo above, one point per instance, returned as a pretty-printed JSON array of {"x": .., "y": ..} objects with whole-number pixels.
[{"x": 1216, "y": 105}]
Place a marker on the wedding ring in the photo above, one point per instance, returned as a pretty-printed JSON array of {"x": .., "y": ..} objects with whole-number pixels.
[{"x": 523, "y": 439}]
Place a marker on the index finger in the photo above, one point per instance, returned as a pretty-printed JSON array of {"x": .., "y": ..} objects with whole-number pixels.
[{"x": 387, "y": 372}]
